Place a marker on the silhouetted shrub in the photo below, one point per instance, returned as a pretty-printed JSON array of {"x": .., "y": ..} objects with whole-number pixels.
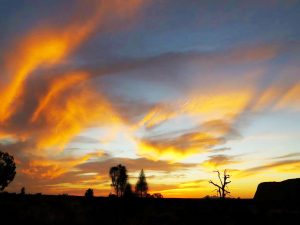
[
  {"x": 22, "y": 191},
  {"x": 157, "y": 195},
  {"x": 89, "y": 193},
  {"x": 111, "y": 195}
]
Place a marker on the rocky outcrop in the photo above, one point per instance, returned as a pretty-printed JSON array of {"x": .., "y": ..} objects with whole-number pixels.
[{"x": 285, "y": 190}]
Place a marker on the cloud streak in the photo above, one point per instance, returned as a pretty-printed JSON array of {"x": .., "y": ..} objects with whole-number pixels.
[
  {"x": 61, "y": 110},
  {"x": 288, "y": 165},
  {"x": 218, "y": 161}
]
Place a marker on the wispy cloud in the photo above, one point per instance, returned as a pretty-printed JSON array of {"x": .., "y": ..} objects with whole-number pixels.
[
  {"x": 218, "y": 161},
  {"x": 135, "y": 165},
  {"x": 288, "y": 165},
  {"x": 290, "y": 155}
]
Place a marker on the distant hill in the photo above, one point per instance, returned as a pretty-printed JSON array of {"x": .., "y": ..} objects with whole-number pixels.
[{"x": 285, "y": 190}]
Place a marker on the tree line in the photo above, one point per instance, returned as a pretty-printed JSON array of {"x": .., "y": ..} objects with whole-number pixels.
[
  {"x": 121, "y": 186},
  {"x": 119, "y": 181}
]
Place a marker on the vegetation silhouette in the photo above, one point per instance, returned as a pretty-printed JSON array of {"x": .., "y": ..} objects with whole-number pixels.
[
  {"x": 119, "y": 179},
  {"x": 89, "y": 193},
  {"x": 222, "y": 188},
  {"x": 7, "y": 169},
  {"x": 128, "y": 193},
  {"x": 157, "y": 195},
  {"x": 141, "y": 187},
  {"x": 22, "y": 192},
  {"x": 51, "y": 209},
  {"x": 58, "y": 209}
]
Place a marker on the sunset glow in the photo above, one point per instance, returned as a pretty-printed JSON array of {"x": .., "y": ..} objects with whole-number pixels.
[{"x": 177, "y": 88}]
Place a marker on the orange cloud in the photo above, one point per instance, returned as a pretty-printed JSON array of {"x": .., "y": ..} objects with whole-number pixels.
[
  {"x": 60, "y": 85},
  {"x": 157, "y": 115},
  {"x": 290, "y": 99},
  {"x": 220, "y": 105},
  {"x": 50, "y": 169},
  {"x": 284, "y": 165},
  {"x": 216, "y": 105},
  {"x": 277, "y": 97},
  {"x": 48, "y": 46},
  {"x": 257, "y": 53},
  {"x": 82, "y": 110},
  {"x": 221, "y": 110},
  {"x": 175, "y": 149},
  {"x": 39, "y": 49},
  {"x": 218, "y": 161}
]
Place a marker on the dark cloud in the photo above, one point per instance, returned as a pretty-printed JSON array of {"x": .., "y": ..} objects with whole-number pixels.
[
  {"x": 222, "y": 127},
  {"x": 85, "y": 140},
  {"x": 134, "y": 165},
  {"x": 220, "y": 160},
  {"x": 221, "y": 149},
  {"x": 164, "y": 63}
]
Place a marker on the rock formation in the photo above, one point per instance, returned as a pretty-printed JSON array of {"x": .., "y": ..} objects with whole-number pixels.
[{"x": 285, "y": 190}]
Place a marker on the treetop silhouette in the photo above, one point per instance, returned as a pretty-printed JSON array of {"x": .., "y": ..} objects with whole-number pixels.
[
  {"x": 119, "y": 179},
  {"x": 141, "y": 187},
  {"x": 89, "y": 193},
  {"x": 7, "y": 169}
]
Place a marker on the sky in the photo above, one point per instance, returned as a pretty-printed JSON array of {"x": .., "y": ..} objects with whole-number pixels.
[{"x": 179, "y": 88}]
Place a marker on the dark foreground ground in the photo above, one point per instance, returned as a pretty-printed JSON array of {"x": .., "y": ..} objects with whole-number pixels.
[{"x": 34, "y": 209}]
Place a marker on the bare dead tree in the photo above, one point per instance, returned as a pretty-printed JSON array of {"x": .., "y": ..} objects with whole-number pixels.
[{"x": 222, "y": 188}]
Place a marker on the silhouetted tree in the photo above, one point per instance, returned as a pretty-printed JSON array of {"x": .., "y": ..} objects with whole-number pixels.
[
  {"x": 128, "y": 193},
  {"x": 114, "y": 173},
  {"x": 222, "y": 188},
  {"x": 22, "y": 191},
  {"x": 7, "y": 170},
  {"x": 141, "y": 187},
  {"x": 89, "y": 193},
  {"x": 119, "y": 179}
]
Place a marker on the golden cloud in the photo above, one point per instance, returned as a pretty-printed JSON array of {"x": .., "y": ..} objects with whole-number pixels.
[
  {"x": 62, "y": 84},
  {"x": 290, "y": 165},
  {"x": 218, "y": 161},
  {"x": 45, "y": 48},
  {"x": 50, "y": 169},
  {"x": 177, "y": 148},
  {"x": 82, "y": 110}
]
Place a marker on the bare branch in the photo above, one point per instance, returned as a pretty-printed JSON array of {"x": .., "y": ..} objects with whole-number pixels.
[
  {"x": 211, "y": 182},
  {"x": 217, "y": 171},
  {"x": 222, "y": 188}
]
